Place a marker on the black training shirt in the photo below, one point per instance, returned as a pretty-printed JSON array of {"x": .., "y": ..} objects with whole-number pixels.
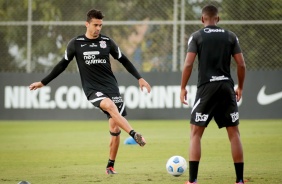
[
  {"x": 93, "y": 61},
  {"x": 214, "y": 47}
]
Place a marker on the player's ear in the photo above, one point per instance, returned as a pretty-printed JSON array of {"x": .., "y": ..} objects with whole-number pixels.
[
  {"x": 217, "y": 19},
  {"x": 202, "y": 19},
  {"x": 86, "y": 24}
]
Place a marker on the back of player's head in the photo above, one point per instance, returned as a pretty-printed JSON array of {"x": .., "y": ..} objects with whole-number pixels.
[
  {"x": 94, "y": 14},
  {"x": 210, "y": 11}
]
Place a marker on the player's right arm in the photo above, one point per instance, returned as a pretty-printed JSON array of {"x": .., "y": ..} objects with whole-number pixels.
[
  {"x": 58, "y": 69},
  {"x": 186, "y": 73}
]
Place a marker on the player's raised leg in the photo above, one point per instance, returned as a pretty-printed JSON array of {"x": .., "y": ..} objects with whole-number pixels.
[{"x": 109, "y": 106}]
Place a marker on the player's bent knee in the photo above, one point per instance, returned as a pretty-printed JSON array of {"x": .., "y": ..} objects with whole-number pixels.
[{"x": 107, "y": 104}]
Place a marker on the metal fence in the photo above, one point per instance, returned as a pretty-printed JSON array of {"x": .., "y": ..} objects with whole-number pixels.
[{"x": 152, "y": 33}]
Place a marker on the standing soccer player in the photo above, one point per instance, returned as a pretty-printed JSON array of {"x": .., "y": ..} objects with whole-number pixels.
[
  {"x": 215, "y": 96},
  {"x": 92, "y": 52}
]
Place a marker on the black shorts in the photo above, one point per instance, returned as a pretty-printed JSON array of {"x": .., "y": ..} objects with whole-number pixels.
[
  {"x": 218, "y": 100},
  {"x": 96, "y": 97}
]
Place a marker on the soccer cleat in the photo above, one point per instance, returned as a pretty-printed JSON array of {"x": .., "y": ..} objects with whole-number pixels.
[
  {"x": 188, "y": 182},
  {"x": 139, "y": 139},
  {"x": 241, "y": 182},
  {"x": 110, "y": 170}
]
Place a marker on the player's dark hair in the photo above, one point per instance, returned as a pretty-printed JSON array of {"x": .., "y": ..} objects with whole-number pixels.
[
  {"x": 91, "y": 14},
  {"x": 210, "y": 10}
]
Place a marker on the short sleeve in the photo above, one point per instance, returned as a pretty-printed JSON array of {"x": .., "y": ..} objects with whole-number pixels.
[
  {"x": 237, "y": 48},
  {"x": 192, "y": 44},
  {"x": 235, "y": 42}
]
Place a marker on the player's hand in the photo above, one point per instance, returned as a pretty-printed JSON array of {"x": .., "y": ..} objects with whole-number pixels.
[
  {"x": 238, "y": 93},
  {"x": 183, "y": 96},
  {"x": 143, "y": 83},
  {"x": 35, "y": 85}
]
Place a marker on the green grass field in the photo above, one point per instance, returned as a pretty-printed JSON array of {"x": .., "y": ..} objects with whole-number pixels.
[{"x": 76, "y": 152}]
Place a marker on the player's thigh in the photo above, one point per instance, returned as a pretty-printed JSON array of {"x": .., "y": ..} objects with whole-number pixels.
[
  {"x": 108, "y": 102},
  {"x": 205, "y": 103},
  {"x": 117, "y": 100},
  {"x": 108, "y": 105},
  {"x": 96, "y": 99},
  {"x": 227, "y": 110}
]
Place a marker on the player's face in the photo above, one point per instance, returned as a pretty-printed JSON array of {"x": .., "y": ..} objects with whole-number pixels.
[{"x": 94, "y": 27}]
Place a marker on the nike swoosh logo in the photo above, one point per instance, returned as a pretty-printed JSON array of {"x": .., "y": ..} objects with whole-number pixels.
[{"x": 264, "y": 99}]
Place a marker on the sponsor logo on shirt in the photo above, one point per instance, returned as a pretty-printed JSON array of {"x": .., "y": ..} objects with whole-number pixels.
[
  {"x": 234, "y": 116},
  {"x": 103, "y": 44},
  {"x": 201, "y": 117},
  {"x": 209, "y": 30},
  {"x": 93, "y": 45},
  {"x": 90, "y": 58},
  {"x": 218, "y": 78},
  {"x": 91, "y": 53}
]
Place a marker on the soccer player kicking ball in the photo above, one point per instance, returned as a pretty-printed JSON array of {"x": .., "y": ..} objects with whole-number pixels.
[
  {"x": 215, "y": 96},
  {"x": 92, "y": 52}
]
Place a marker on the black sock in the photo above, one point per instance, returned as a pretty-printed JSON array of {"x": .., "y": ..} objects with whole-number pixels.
[
  {"x": 111, "y": 163},
  {"x": 132, "y": 133},
  {"x": 239, "y": 169},
  {"x": 193, "y": 171}
]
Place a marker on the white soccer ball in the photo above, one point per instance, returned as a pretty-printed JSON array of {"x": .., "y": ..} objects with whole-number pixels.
[{"x": 176, "y": 165}]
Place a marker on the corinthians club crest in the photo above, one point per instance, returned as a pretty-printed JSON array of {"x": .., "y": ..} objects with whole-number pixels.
[{"x": 103, "y": 44}]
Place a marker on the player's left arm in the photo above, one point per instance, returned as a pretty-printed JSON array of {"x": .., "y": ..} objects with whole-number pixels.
[
  {"x": 117, "y": 54},
  {"x": 188, "y": 65},
  {"x": 241, "y": 68},
  {"x": 131, "y": 69}
]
